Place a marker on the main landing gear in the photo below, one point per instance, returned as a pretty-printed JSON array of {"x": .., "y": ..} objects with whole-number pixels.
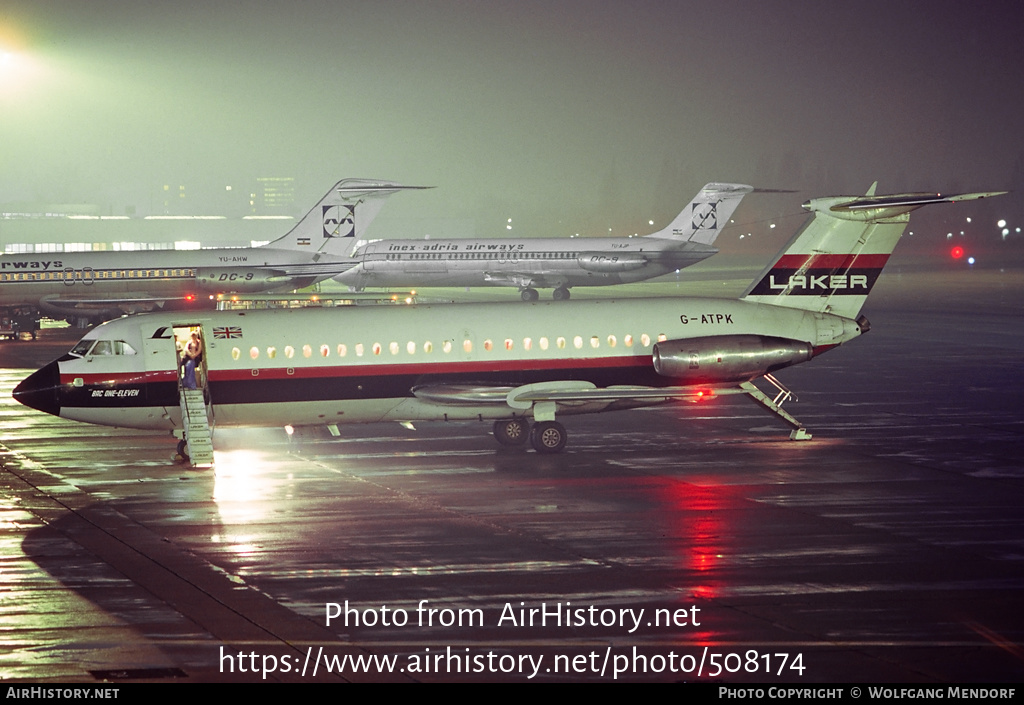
[
  {"x": 559, "y": 294},
  {"x": 546, "y": 437},
  {"x": 511, "y": 432}
]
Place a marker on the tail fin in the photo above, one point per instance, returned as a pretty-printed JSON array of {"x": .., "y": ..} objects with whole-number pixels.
[
  {"x": 341, "y": 217},
  {"x": 706, "y": 215},
  {"x": 830, "y": 265}
]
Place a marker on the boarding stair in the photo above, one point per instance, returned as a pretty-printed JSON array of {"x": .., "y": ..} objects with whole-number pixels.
[{"x": 196, "y": 424}]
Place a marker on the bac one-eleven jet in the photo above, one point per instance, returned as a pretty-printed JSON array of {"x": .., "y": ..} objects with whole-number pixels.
[
  {"x": 521, "y": 366},
  {"x": 533, "y": 263}
]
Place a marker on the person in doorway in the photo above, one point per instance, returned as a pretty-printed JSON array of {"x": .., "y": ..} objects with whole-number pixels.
[{"x": 193, "y": 356}]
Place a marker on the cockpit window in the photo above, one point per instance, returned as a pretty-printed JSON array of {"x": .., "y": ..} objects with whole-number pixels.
[
  {"x": 102, "y": 347},
  {"x": 82, "y": 347},
  {"x": 119, "y": 347}
]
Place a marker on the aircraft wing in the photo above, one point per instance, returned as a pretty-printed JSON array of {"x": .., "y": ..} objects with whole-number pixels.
[
  {"x": 526, "y": 279},
  {"x": 563, "y": 392},
  {"x": 122, "y": 303},
  {"x": 312, "y": 269}
]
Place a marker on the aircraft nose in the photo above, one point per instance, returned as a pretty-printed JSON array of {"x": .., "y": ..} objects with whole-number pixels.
[{"x": 41, "y": 390}]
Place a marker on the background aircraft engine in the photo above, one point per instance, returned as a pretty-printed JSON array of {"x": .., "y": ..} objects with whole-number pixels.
[
  {"x": 727, "y": 358},
  {"x": 239, "y": 279},
  {"x": 610, "y": 261}
]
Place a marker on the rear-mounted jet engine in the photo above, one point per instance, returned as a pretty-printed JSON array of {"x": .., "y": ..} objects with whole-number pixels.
[{"x": 727, "y": 358}]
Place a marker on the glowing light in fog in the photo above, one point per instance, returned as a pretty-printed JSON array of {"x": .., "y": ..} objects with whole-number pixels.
[{"x": 957, "y": 252}]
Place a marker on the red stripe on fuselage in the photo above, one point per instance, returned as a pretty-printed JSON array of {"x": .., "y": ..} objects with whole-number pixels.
[
  {"x": 120, "y": 377},
  {"x": 824, "y": 261}
]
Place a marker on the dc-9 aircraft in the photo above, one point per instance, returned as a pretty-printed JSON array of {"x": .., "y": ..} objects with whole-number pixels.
[
  {"x": 558, "y": 263},
  {"x": 109, "y": 284},
  {"x": 507, "y": 362}
]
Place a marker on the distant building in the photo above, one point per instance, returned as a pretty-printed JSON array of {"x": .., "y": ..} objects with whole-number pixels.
[{"x": 273, "y": 195}]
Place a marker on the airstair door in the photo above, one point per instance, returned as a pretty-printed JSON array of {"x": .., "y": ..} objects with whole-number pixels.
[{"x": 194, "y": 394}]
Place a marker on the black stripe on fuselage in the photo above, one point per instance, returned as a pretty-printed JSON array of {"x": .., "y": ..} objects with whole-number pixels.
[{"x": 338, "y": 388}]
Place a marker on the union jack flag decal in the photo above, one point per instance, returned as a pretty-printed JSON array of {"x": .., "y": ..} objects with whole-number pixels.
[{"x": 226, "y": 332}]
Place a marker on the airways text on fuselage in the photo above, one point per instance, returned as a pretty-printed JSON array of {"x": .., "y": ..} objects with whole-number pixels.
[{"x": 32, "y": 264}]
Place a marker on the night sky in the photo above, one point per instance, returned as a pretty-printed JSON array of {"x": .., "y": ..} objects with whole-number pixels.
[{"x": 563, "y": 115}]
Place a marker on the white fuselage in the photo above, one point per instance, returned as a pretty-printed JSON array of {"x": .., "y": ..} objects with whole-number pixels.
[
  {"x": 419, "y": 362},
  {"x": 83, "y": 282},
  {"x": 523, "y": 263}
]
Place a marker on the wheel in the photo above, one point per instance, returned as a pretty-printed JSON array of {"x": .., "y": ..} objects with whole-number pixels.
[
  {"x": 548, "y": 437},
  {"x": 183, "y": 449},
  {"x": 530, "y": 294},
  {"x": 560, "y": 294},
  {"x": 511, "y": 432}
]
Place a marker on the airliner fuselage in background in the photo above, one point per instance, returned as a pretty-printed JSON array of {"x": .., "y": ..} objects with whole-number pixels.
[
  {"x": 511, "y": 363},
  {"x": 107, "y": 284},
  {"x": 529, "y": 264}
]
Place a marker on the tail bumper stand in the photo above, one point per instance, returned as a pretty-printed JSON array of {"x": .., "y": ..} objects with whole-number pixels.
[{"x": 774, "y": 405}]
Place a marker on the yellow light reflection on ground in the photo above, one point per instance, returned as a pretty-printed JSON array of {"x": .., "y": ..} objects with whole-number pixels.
[{"x": 240, "y": 485}]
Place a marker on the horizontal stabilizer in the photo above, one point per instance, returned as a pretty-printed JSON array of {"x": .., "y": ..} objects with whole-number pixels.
[
  {"x": 354, "y": 186},
  {"x": 876, "y": 208},
  {"x": 913, "y": 199}
]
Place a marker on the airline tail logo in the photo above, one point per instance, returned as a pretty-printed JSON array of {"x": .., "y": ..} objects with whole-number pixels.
[
  {"x": 339, "y": 221},
  {"x": 821, "y": 275},
  {"x": 705, "y": 216}
]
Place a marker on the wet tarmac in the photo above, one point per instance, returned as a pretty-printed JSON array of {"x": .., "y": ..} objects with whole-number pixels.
[{"x": 888, "y": 548}]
